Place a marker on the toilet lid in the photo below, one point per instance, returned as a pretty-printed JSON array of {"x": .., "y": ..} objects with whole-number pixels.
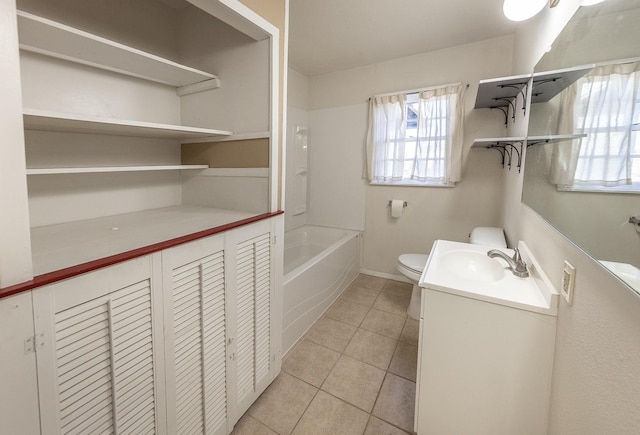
[{"x": 415, "y": 262}]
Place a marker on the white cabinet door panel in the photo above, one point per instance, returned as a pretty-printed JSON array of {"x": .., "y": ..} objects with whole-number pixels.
[
  {"x": 19, "y": 392},
  {"x": 99, "y": 370},
  {"x": 250, "y": 284},
  {"x": 196, "y": 338}
]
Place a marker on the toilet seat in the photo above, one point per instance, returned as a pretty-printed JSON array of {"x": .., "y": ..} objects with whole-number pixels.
[{"x": 412, "y": 265}]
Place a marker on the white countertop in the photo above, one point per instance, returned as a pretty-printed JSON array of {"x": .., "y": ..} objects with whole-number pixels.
[
  {"x": 509, "y": 290},
  {"x": 56, "y": 247}
]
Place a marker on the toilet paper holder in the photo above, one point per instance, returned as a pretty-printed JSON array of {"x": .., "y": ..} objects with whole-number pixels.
[{"x": 403, "y": 205}]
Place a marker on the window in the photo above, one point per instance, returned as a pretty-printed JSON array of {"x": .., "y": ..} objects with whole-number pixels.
[
  {"x": 415, "y": 138},
  {"x": 607, "y": 111}
]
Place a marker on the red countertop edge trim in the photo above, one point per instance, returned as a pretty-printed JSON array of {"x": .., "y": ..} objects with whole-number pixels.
[{"x": 68, "y": 272}]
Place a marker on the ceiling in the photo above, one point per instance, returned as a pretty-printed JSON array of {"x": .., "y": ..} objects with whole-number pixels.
[{"x": 332, "y": 35}]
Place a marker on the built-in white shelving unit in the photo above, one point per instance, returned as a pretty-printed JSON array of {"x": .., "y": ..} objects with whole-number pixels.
[
  {"x": 102, "y": 96},
  {"x": 63, "y": 122},
  {"x": 101, "y": 213},
  {"x": 44, "y": 36},
  {"x": 108, "y": 169}
]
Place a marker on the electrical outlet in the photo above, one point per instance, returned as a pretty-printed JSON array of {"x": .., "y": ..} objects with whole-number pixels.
[{"x": 568, "y": 281}]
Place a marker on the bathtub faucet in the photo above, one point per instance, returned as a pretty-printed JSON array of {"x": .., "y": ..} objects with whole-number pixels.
[{"x": 517, "y": 266}]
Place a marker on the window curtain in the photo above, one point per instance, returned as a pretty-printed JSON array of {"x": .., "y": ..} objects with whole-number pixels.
[
  {"x": 385, "y": 137},
  {"x": 434, "y": 154},
  {"x": 440, "y": 134},
  {"x": 564, "y": 157},
  {"x": 603, "y": 106}
]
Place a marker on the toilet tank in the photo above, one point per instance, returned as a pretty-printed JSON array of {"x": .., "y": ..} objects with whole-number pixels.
[{"x": 488, "y": 236}]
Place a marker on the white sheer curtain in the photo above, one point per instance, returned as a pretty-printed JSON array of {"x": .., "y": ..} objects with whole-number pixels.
[
  {"x": 416, "y": 138},
  {"x": 604, "y": 105},
  {"x": 385, "y": 138},
  {"x": 564, "y": 157}
]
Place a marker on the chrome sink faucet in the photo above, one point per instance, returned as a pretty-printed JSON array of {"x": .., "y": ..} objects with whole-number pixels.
[{"x": 517, "y": 266}]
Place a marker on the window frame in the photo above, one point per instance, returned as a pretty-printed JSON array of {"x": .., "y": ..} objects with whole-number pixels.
[
  {"x": 634, "y": 186},
  {"x": 412, "y": 97}
]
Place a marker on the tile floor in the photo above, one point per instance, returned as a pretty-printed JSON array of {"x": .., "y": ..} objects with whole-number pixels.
[{"x": 354, "y": 371}]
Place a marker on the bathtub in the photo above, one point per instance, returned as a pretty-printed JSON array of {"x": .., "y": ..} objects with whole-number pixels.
[{"x": 319, "y": 264}]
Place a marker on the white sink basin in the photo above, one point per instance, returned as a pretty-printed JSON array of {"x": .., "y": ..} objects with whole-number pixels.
[
  {"x": 471, "y": 265},
  {"x": 626, "y": 272},
  {"x": 466, "y": 270}
]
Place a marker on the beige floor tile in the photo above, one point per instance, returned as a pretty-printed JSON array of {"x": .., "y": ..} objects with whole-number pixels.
[
  {"x": 331, "y": 333},
  {"x": 347, "y": 312},
  {"x": 410, "y": 332},
  {"x": 330, "y": 415},
  {"x": 405, "y": 361},
  {"x": 396, "y": 402},
  {"x": 360, "y": 295},
  {"x": 396, "y": 304},
  {"x": 310, "y": 362},
  {"x": 397, "y": 288},
  {"x": 379, "y": 427},
  {"x": 383, "y": 323},
  {"x": 371, "y": 348},
  {"x": 250, "y": 426},
  {"x": 368, "y": 281},
  {"x": 355, "y": 382},
  {"x": 283, "y": 403}
]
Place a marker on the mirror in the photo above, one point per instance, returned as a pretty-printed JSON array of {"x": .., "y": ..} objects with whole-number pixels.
[{"x": 600, "y": 41}]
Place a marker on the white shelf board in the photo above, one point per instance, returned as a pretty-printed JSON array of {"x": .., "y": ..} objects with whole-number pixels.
[
  {"x": 62, "y": 122},
  {"x": 99, "y": 169},
  {"x": 56, "y": 247},
  {"x": 535, "y": 140},
  {"x": 232, "y": 137},
  {"x": 47, "y": 37},
  {"x": 548, "y": 84},
  {"x": 494, "y": 92},
  {"x": 483, "y": 142}
]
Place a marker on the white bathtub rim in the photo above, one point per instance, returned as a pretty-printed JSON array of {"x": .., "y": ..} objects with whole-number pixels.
[{"x": 350, "y": 234}]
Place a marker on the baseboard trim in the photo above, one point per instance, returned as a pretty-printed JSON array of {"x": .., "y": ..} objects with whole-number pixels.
[{"x": 394, "y": 277}]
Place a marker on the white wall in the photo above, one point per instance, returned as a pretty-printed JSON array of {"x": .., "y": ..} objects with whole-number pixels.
[
  {"x": 338, "y": 117},
  {"x": 297, "y": 115},
  {"x": 241, "y": 104},
  {"x": 596, "y": 381},
  {"x": 337, "y": 190}
]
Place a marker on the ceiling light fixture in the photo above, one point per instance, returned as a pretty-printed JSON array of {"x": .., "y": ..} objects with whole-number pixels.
[
  {"x": 590, "y": 2},
  {"x": 520, "y": 10}
]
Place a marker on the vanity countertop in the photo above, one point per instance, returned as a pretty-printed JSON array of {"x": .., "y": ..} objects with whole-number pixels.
[{"x": 465, "y": 270}]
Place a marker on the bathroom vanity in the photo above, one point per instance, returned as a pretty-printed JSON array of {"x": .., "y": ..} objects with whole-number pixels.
[{"x": 486, "y": 344}]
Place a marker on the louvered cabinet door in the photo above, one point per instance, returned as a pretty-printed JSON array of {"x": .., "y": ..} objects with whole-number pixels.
[
  {"x": 195, "y": 334},
  {"x": 99, "y": 370},
  {"x": 249, "y": 255}
]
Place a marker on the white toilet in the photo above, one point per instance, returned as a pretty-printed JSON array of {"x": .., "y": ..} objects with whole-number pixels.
[{"x": 412, "y": 265}]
